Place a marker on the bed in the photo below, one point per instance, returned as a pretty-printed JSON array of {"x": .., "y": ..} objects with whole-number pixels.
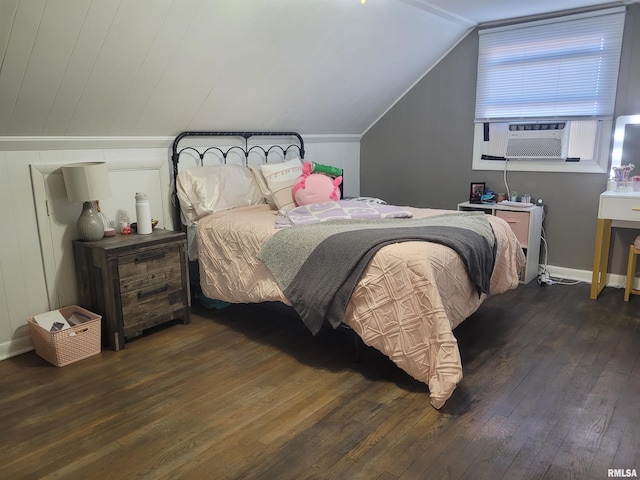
[{"x": 408, "y": 292}]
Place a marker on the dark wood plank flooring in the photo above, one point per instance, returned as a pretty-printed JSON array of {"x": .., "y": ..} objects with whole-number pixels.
[{"x": 551, "y": 389}]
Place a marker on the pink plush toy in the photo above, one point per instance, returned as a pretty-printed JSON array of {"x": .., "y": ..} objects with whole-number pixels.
[{"x": 315, "y": 187}]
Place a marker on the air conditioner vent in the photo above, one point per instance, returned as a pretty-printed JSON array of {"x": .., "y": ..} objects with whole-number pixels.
[
  {"x": 537, "y": 140},
  {"x": 535, "y": 148}
]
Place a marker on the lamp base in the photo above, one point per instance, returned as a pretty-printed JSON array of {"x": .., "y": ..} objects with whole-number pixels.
[{"x": 90, "y": 224}]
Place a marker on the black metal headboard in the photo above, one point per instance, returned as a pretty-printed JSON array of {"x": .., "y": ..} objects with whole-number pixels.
[{"x": 246, "y": 149}]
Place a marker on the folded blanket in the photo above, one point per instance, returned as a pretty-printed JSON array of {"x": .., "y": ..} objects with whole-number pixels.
[
  {"x": 300, "y": 258},
  {"x": 340, "y": 210}
]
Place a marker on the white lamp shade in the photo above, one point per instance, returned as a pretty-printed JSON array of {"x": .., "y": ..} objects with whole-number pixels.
[{"x": 87, "y": 181}]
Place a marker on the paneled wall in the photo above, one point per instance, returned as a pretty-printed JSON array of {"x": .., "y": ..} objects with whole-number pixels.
[
  {"x": 36, "y": 266},
  {"x": 153, "y": 67}
]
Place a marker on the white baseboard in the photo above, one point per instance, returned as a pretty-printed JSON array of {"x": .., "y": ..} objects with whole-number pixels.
[
  {"x": 15, "y": 346},
  {"x": 571, "y": 274}
]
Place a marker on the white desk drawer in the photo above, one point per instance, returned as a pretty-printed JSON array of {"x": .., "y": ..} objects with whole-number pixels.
[{"x": 620, "y": 208}]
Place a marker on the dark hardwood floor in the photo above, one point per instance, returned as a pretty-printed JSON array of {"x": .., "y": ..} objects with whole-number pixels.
[{"x": 551, "y": 389}]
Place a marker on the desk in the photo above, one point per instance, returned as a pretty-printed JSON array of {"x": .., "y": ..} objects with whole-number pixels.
[{"x": 616, "y": 209}]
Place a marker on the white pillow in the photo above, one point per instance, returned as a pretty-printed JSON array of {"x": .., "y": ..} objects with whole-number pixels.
[
  {"x": 280, "y": 178},
  {"x": 262, "y": 183},
  {"x": 205, "y": 190}
]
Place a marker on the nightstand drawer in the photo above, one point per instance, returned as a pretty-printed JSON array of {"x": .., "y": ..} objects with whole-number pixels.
[
  {"x": 142, "y": 266},
  {"x": 519, "y": 223},
  {"x": 151, "y": 287},
  {"x": 155, "y": 303}
]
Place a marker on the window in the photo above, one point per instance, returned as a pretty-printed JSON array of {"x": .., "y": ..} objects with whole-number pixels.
[{"x": 538, "y": 73}]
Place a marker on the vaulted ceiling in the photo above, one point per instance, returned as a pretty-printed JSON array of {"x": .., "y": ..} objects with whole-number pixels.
[{"x": 158, "y": 67}]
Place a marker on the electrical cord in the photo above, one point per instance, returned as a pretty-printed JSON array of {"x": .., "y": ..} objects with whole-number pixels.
[
  {"x": 560, "y": 281},
  {"x": 504, "y": 177},
  {"x": 544, "y": 277},
  {"x": 543, "y": 274}
]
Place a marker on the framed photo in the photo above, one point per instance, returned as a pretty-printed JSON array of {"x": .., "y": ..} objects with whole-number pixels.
[{"x": 476, "y": 192}]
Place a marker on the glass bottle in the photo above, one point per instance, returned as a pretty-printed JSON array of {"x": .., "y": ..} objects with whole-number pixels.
[{"x": 125, "y": 226}]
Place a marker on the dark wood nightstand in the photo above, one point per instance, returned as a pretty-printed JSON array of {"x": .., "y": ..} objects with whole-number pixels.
[{"x": 134, "y": 281}]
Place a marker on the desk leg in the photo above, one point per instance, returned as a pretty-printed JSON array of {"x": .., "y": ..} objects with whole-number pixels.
[{"x": 601, "y": 257}]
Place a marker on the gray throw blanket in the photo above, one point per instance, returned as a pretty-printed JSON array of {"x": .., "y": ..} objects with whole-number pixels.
[{"x": 298, "y": 257}]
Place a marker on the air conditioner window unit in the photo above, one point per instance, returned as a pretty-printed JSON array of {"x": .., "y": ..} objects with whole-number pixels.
[{"x": 538, "y": 141}]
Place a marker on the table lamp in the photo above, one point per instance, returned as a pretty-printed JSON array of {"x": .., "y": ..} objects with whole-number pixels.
[{"x": 87, "y": 182}]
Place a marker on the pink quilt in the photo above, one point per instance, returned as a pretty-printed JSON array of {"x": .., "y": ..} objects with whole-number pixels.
[{"x": 408, "y": 301}]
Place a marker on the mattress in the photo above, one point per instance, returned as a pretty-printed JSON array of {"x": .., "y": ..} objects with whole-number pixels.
[{"x": 408, "y": 301}]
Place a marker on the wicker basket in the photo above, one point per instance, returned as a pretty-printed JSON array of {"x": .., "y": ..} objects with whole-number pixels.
[{"x": 62, "y": 348}]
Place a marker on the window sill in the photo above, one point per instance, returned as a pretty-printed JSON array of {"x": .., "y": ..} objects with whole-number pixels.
[{"x": 540, "y": 166}]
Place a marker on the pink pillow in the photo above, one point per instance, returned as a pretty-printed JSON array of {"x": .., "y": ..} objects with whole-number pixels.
[{"x": 316, "y": 188}]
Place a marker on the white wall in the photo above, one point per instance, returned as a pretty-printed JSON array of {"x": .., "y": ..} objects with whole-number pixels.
[{"x": 32, "y": 246}]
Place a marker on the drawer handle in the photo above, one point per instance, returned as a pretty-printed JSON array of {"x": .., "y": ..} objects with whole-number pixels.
[
  {"x": 635, "y": 209},
  {"x": 513, "y": 221},
  {"x": 153, "y": 292},
  {"x": 143, "y": 257}
]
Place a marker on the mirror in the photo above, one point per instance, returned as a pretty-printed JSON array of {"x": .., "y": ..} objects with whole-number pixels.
[
  {"x": 626, "y": 142},
  {"x": 631, "y": 145}
]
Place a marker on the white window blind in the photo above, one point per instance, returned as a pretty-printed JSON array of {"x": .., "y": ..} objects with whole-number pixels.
[{"x": 565, "y": 67}]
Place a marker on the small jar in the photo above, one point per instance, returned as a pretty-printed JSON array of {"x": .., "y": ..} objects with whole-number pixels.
[{"x": 125, "y": 226}]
